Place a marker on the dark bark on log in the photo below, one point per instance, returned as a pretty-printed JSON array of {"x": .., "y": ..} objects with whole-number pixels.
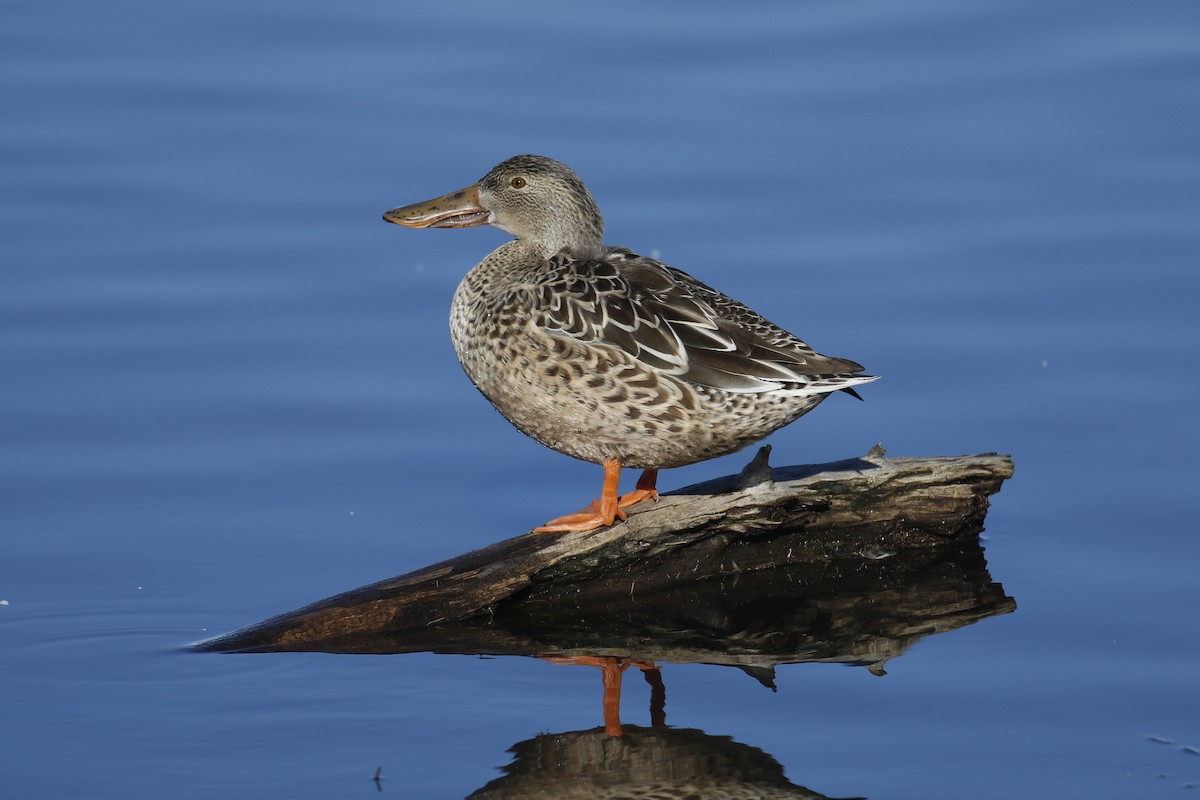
[{"x": 727, "y": 569}]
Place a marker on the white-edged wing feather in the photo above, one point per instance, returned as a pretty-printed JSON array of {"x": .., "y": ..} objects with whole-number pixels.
[{"x": 675, "y": 324}]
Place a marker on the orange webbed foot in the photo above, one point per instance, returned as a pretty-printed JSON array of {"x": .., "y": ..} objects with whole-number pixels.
[
  {"x": 609, "y": 508},
  {"x": 585, "y": 519},
  {"x": 600, "y": 514}
]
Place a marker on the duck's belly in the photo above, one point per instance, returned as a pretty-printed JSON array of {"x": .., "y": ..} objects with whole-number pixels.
[{"x": 597, "y": 403}]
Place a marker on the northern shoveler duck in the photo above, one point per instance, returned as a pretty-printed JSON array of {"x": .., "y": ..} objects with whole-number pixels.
[{"x": 606, "y": 355}]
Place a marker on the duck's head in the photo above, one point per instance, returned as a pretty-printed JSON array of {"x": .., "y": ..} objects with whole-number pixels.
[{"x": 536, "y": 199}]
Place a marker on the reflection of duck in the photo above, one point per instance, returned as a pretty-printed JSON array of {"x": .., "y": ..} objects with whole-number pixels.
[
  {"x": 635, "y": 762},
  {"x": 660, "y": 763},
  {"x": 606, "y": 355}
]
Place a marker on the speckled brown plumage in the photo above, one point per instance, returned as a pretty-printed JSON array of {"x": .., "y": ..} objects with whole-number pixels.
[{"x": 606, "y": 355}]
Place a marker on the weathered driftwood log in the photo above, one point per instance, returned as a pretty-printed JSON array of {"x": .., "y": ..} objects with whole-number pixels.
[{"x": 883, "y": 521}]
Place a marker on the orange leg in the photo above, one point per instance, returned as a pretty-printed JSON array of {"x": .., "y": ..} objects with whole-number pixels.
[
  {"x": 609, "y": 508},
  {"x": 645, "y": 489}
]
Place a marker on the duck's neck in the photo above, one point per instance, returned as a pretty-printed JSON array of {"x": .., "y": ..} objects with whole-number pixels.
[
  {"x": 579, "y": 232},
  {"x": 544, "y": 248}
]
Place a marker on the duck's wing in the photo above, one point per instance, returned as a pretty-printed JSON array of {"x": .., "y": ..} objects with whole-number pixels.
[{"x": 675, "y": 324}]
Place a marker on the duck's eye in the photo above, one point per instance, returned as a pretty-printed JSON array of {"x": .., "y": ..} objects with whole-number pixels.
[{"x": 518, "y": 183}]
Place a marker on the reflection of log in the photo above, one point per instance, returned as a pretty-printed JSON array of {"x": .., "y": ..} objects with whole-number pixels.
[
  {"x": 849, "y": 611},
  {"x": 646, "y": 762},
  {"x": 799, "y": 518}
]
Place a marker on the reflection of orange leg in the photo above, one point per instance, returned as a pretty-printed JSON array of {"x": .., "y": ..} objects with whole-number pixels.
[
  {"x": 613, "y": 669},
  {"x": 658, "y": 696},
  {"x": 612, "y": 692},
  {"x": 612, "y": 696}
]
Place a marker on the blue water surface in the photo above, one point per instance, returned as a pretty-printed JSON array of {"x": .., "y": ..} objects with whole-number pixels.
[{"x": 228, "y": 388}]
